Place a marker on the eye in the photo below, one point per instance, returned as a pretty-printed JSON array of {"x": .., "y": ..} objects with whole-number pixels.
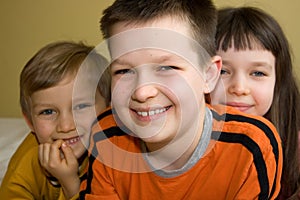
[
  {"x": 167, "y": 67},
  {"x": 258, "y": 73},
  {"x": 224, "y": 71},
  {"x": 47, "y": 112},
  {"x": 124, "y": 71},
  {"x": 82, "y": 106}
]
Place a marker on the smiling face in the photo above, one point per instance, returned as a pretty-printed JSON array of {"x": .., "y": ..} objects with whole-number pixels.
[
  {"x": 53, "y": 111},
  {"x": 247, "y": 80},
  {"x": 156, "y": 93},
  {"x": 154, "y": 100}
]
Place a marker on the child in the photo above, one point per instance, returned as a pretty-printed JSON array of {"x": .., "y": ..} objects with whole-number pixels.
[
  {"x": 161, "y": 140},
  {"x": 258, "y": 79},
  {"x": 55, "y": 88}
]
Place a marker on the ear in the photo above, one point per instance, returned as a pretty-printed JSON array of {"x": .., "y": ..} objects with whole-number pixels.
[
  {"x": 28, "y": 122},
  {"x": 212, "y": 74}
]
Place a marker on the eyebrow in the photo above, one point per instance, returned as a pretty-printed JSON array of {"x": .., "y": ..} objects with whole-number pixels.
[
  {"x": 43, "y": 105},
  {"x": 156, "y": 59},
  {"x": 166, "y": 58}
]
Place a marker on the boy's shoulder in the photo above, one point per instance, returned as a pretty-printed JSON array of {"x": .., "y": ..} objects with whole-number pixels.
[
  {"x": 108, "y": 127},
  {"x": 24, "y": 164},
  {"x": 104, "y": 120},
  {"x": 25, "y": 150}
]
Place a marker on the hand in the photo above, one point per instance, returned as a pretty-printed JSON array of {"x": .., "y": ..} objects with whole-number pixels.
[{"x": 59, "y": 160}]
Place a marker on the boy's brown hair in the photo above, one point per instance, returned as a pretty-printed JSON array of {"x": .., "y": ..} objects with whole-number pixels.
[
  {"x": 54, "y": 62},
  {"x": 200, "y": 15}
]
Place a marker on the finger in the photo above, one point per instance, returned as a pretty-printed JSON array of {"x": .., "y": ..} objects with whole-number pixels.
[
  {"x": 42, "y": 159},
  {"x": 54, "y": 153},
  {"x": 41, "y": 155},
  {"x": 44, "y": 153},
  {"x": 69, "y": 154}
]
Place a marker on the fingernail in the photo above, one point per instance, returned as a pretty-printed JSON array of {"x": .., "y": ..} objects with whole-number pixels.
[{"x": 64, "y": 144}]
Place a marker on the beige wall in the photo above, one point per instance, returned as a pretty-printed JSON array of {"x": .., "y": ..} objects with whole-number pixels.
[{"x": 28, "y": 25}]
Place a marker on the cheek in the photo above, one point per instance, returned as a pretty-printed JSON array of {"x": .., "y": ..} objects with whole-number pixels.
[
  {"x": 264, "y": 98},
  {"x": 121, "y": 92},
  {"x": 190, "y": 95},
  {"x": 84, "y": 120},
  {"x": 43, "y": 131}
]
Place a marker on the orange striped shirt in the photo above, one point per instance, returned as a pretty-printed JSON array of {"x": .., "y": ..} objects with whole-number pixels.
[{"x": 243, "y": 161}]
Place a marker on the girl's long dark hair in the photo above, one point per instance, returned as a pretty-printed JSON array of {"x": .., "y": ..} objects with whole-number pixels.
[{"x": 249, "y": 28}]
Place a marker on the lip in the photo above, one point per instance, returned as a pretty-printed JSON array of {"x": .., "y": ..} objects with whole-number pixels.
[
  {"x": 148, "y": 114},
  {"x": 239, "y": 106},
  {"x": 72, "y": 140}
]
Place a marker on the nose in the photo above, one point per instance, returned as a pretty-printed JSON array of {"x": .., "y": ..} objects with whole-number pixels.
[
  {"x": 144, "y": 92},
  {"x": 238, "y": 86},
  {"x": 66, "y": 122},
  {"x": 145, "y": 88}
]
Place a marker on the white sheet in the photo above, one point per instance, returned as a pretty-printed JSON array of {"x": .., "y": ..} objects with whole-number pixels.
[{"x": 12, "y": 133}]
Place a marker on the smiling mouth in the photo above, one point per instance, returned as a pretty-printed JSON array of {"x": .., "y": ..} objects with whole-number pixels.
[
  {"x": 152, "y": 112},
  {"x": 240, "y": 106},
  {"x": 73, "y": 140}
]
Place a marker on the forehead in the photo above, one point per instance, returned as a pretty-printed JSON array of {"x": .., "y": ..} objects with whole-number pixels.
[
  {"x": 247, "y": 57},
  {"x": 165, "y": 34},
  {"x": 63, "y": 88},
  {"x": 149, "y": 56}
]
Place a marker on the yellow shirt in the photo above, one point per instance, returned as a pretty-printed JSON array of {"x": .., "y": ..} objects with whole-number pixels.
[{"x": 25, "y": 178}]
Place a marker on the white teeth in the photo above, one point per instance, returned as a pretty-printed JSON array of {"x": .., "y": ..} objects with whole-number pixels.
[
  {"x": 144, "y": 114},
  {"x": 151, "y": 112},
  {"x": 72, "y": 141}
]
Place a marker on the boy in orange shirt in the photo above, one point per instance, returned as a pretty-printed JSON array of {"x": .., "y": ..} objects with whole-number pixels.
[{"x": 160, "y": 140}]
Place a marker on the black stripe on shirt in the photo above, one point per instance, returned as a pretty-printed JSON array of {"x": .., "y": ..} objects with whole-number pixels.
[
  {"x": 266, "y": 129},
  {"x": 258, "y": 159},
  {"x": 101, "y": 116},
  {"x": 98, "y": 136},
  {"x": 88, "y": 178}
]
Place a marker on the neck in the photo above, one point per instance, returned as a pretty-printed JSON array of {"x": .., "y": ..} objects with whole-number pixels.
[{"x": 176, "y": 154}]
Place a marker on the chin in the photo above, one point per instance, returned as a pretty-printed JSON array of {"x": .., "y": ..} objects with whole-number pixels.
[{"x": 79, "y": 151}]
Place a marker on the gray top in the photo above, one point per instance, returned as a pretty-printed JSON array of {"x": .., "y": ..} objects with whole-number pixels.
[{"x": 197, "y": 154}]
